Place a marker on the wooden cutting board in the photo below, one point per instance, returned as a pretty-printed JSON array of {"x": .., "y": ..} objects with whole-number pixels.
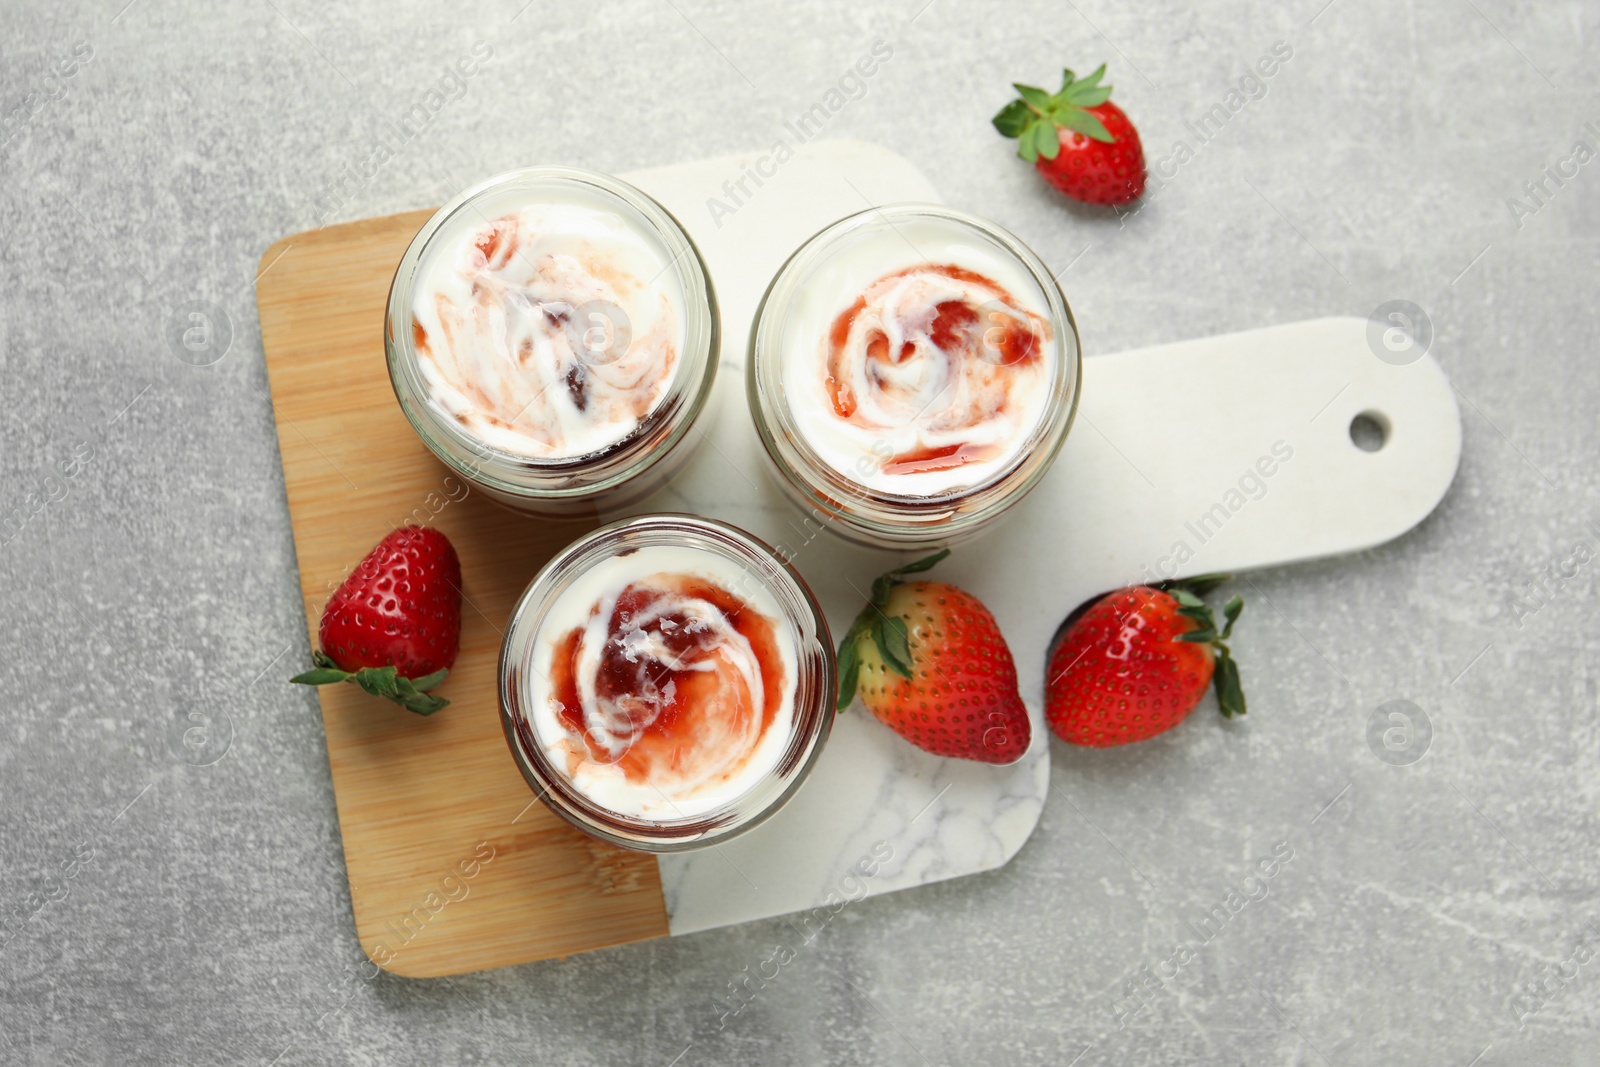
[
  {"x": 454, "y": 867},
  {"x": 419, "y": 798}
]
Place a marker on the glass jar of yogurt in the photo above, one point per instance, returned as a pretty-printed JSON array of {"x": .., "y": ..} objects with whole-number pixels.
[
  {"x": 552, "y": 335},
  {"x": 666, "y": 682},
  {"x": 913, "y": 371}
]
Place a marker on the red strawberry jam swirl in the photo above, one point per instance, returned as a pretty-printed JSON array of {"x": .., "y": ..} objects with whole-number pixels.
[
  {"x": 675, "y": 682},
  {"x": 941, "y": 349},
  {"x": 541, "y": 340}
]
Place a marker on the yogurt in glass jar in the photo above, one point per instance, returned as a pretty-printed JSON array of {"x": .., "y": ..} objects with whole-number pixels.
[
  {"x": 666, "y": 682},
  {"x": 552, "y": 336},
  {"x": 913, "y": 372}
]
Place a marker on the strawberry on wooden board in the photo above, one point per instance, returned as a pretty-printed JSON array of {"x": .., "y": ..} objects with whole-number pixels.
[
  {"x": 1137, "y": 662},
  {"x": 1078, "y": 140},
  {"x": 394, "y": 627},
  {"x": 928, "y": 661}
]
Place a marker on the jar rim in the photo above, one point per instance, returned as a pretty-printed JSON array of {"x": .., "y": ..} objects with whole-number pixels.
[
  {"x": 813, "y": 698},
  {"x": 905, "y": 517},
  {"x": 567, "y": 478}
]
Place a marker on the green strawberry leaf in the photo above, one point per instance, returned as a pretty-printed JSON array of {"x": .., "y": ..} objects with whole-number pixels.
[
  {"x": 1046, "y": 141},
  {"x": 430, "y": 681},
  {"x": 1037, "y": 99},
  {"x": 1025, "y": 146},
  {"x": 379, "y": 681},
  {"x": 894, "y": 644},
  {"x": 1203, "y": 636},
  {"x": 1090, "y": 97},
  {"x": 880, "y": 639},
  {"x": 1013, "y": 118},
  {"x": 1205, "y": 622},
  {"x": 1067, "y": 78},
  {"x": 1086, "y": 123},
  {"x": 1231, "y": 611},
  {"x": 1186, "y": 599},
  {"x": 321, "y": 676},
  {"x": 849, "y": 670},
  {"x": 926, "y": 563},
  {"x": 1084, "y": 83},
  {"x": 421, "y": 703},
  {"x": 411, "y": 697},
  {"x": 1230, "y": 693}
]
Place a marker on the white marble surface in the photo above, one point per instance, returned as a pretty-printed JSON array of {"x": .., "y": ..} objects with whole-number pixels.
[
  {"x": 939, "y": 818},
  {"x": 1192, "y": 419},
  {"x": 871, "y": 795}
]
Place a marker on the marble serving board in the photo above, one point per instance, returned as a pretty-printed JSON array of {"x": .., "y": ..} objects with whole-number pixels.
[{"x": 1225, "y": 453}]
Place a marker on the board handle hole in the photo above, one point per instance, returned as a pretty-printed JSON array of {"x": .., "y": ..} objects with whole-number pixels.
[{"x": 1370, "y": 430}]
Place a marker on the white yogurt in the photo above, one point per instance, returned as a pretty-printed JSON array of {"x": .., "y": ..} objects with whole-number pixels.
[
  {"x": 921, "y": 418},
  {"x": 718, "y": 757},
  {"x": 550, "y": 330}
]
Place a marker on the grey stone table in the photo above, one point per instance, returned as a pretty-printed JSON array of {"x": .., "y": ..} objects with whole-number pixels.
[{"x": 1440, "y": 905}]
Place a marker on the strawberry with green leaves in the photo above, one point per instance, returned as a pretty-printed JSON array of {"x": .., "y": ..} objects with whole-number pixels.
[
  {"x": 1078, "y": 140},
  {"x": 928, "y": 661},
  {"x": 394, "y": 626},
  {"x": 1136, "y": 662}
]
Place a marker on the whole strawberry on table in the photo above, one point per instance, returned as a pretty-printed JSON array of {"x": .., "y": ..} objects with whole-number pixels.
[
  {"x": 1136, "y": 662},
  {"x": 1077, "y": 139},
  {"x": 394, "y": 626},
  {"x": 928, "y": 661}
]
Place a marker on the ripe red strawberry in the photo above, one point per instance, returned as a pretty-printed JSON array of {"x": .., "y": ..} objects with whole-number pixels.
[
  {"x": 394, "y": 626},
  {"x": 928, "y": 661},
  {"x": 1136, "y": 663},
  {"x": 1078, "y": 140}
]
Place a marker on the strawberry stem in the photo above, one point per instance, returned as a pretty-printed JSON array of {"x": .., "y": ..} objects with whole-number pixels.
[
  {"x": 1037, "y": 118},
  {"x": 386, "y": 682},
  {"x": 888, "y": 632},
  {"x": 1187, "y": 592}
]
